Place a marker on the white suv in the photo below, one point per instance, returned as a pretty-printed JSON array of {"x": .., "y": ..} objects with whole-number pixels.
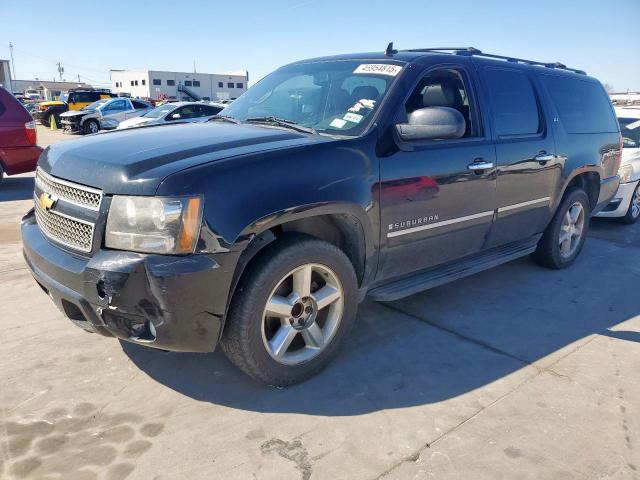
[{"x": 625, "y": 205}]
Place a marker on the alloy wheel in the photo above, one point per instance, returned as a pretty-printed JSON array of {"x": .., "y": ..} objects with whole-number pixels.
[
  {"x": 302, "y": 314},
  {"x": 635, "y": 204},
  {"x": 571, "y": 230}
]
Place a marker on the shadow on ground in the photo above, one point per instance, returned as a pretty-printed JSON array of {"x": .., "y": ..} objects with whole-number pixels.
[
  {"x": 16, "y": 188},
  {"x": 436, "y": 345}
]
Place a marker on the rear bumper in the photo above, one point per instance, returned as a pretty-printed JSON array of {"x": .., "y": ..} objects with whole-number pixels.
[
  {"x": 619, "y": 204},
  {"x": 608, "y": 188},
  {"x": 167, "y": 302},
  {"x": 20, "y": 159}
]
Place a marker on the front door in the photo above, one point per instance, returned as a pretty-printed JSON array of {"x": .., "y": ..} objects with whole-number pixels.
[
  {"x": 528, "y": 169},
  {"x": 437, "y": 198}
]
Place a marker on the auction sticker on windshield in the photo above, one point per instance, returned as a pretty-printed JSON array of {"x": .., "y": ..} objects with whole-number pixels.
[{"x": 379, "y": 68}]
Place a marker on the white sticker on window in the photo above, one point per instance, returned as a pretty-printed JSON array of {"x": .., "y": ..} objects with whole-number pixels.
[
  {"x": 338, "y": 123},
  {"x": 363, "y": 103},
  {"x": 379, "y": 68},
  {"x": 353, "y": 117},
  {"x": 633, "y": 126}
]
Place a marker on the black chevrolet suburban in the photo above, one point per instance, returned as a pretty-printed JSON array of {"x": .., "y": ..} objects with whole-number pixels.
[{"x": 372, "y": 175}]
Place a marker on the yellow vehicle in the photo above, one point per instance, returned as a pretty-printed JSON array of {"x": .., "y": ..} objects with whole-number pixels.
[{"x": 75, "y": 99}]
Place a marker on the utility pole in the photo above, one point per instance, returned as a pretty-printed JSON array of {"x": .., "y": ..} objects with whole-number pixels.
[
  {"x": 60, "y": 70},
  {"x": 194, "y": 65},
  {"x": 13, "y": 63},
  {"x": 78, "y": 78}
]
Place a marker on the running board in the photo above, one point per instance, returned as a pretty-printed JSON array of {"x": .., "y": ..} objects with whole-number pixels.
[{"x": 449, "y": 272}]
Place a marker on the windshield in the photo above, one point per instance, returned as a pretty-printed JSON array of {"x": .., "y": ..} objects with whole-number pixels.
[
  {"x": 335, "y": 97},
  {"x": 95, "y": 105},
  {"x": 630, "y": 129},
  {"x": 159, "y": 111}
]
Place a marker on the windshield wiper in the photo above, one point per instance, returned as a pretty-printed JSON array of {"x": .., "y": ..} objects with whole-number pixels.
[
  {"x": 281, "y": 122},
  {"x": 225, "y": 118}
]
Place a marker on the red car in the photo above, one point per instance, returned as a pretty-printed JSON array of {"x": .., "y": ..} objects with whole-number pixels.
[{"x": 19, "y": 151}]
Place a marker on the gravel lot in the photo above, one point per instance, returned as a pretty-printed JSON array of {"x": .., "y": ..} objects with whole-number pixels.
[{"x": 515, "y": 373}]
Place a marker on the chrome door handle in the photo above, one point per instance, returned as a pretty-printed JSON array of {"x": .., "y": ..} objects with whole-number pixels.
[
  {"x": 544, "y": 157},
  {"x": 480, "y": 165}
]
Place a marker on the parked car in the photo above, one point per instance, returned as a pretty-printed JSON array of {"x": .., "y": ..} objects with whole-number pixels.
[
  {"x": 625, "y": 205},
  {"x": 32, "y": 94},
  {"x": 263, "y": 228},
  {"x": 105, "y": 114},
  {"x": 75, "y": 99},
  {"x": 189, "y": 112},
  {"x": 19, "y": 150}
]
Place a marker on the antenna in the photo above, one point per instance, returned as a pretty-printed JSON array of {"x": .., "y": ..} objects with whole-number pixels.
[{"x": 390, "y": 52}]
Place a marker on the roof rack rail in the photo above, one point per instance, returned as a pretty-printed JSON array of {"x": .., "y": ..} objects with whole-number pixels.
[{"x": 475, "y": 52}]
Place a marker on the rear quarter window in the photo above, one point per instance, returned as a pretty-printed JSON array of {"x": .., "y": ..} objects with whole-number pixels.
[
  {"x": 513, "y": 101},
  {"x": 582, "y": 105}
]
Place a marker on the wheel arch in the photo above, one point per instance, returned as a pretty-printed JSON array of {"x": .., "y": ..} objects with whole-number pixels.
[
  {"x": 587, "y": 179},
  {"x": 344, "y": 225}
]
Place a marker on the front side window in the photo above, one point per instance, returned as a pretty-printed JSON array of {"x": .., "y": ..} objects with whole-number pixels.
[
  {"x": 515, "y": 109},
  {"x": 446, "y": 87},
  {"x": 336, "y": 97},
  {"x": 116, "y": 105}
]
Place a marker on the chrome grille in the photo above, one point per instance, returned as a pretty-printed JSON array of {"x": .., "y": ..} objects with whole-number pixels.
[
  {"x": 71, "y": 192},
  {"x": 63, "y": 229}
]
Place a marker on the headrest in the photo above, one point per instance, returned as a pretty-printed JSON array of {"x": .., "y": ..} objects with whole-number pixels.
[
  {"x": 440, "y": 95},
  {"x": 365, "y": 91}
]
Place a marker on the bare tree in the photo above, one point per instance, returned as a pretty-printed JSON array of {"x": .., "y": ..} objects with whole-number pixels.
[{"x": 608, "y": 88}]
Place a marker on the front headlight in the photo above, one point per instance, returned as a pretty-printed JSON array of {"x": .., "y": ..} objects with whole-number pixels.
[
  {"x": 154, "y": 224},
  {"x": 625, "y": 172}
]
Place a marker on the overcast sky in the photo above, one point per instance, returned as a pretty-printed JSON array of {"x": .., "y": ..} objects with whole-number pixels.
[{"x": 90, "y": 38}]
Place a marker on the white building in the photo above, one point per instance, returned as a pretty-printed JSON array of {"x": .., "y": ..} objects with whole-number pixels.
[{"x": 155, "y": 84}]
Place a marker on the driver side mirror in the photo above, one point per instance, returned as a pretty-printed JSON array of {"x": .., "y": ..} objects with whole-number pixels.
[{"x": 432, "y": 123}]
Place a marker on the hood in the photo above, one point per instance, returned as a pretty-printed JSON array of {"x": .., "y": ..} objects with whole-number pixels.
[
  {"x": 135, "y": 161},
  {"x": 76, "y": 113},
  {"x": 132, "y": 122}
]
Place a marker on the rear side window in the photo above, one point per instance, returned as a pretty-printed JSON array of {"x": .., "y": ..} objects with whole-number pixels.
[
  {"x": 515, "y": 108},
  {"x": 582, "y": 105}
]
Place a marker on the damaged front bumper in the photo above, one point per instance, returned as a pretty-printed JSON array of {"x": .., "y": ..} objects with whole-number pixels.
[{"x": 168, "y": 302}]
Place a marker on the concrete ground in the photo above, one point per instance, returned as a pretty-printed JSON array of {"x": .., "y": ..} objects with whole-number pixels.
[{"x": 515, "y": 373}]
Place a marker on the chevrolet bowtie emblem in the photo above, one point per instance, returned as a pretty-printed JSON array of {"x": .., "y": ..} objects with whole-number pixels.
[{"x": 47, "y": 201}]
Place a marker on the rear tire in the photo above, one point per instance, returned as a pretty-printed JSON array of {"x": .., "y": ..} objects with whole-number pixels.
[
  {"x": 633, "y": 213},
  {"x": 306, "y": 330},
  {"x": 564, "y": 238}
]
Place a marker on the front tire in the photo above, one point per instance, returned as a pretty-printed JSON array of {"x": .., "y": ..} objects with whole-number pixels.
[
  {"x": 291, "y": 310},
  {"x": 91, "y": 126},
  {"x": 564, "y": 238},
  {"x": 633, "y": 213}
]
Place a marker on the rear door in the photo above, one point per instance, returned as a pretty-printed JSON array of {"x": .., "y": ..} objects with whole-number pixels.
[{"x": 528, "y": 169}]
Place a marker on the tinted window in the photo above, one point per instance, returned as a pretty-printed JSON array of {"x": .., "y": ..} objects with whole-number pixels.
[
  {"x": 583, "y": 106},
  {"x": 187, "y": 83},
  {"x": 196, "y": 83},
  {"x": 171, "y": 82},
  {"x": 209, "y": 110},
  {"x": 139, "y": 105},
  {"x": 157, "y": 81},
  {"x": 515, "y": 109},
  {"x": 239, "y": 85},
  {"x": 230, "y": 85}
]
